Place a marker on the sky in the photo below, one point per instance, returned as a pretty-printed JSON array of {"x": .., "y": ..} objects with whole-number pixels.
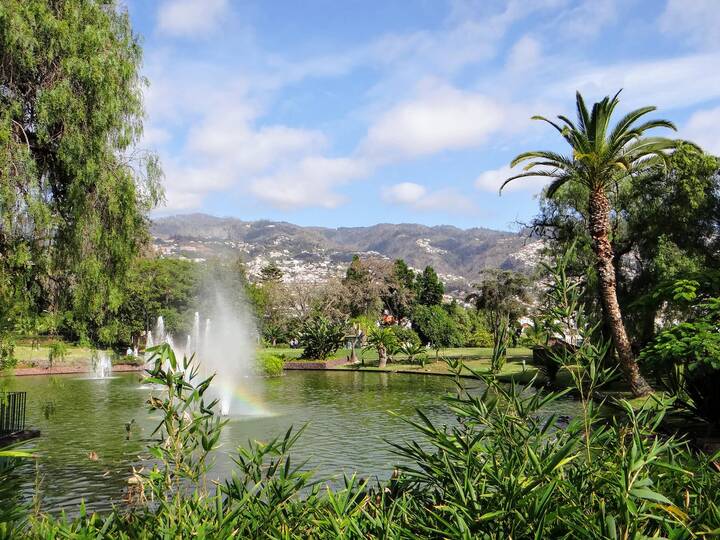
[{"x": 393, "y": 111}]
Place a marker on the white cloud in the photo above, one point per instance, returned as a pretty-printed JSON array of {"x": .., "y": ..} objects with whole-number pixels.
[
  {"x": 311, "y": 182},
  {"x": 221, "y": 144},
  {"x": 418, "y": 197},
  {"x": 668, "y": 83},
  {"x": 585, "y": 20},
  {"x": 698, "y": 21},
  {"x": 404, "y": 193},
  {"x": 441, "y": 118},
  {"x": 524, "y": 55},
  {"x": 492, "y": 180},
  {"x": 229, "y": 136},
  {"x": 190, "y": 17},
  {"x": 154, "y": 136},
  {"x": 703, "y": 128}
]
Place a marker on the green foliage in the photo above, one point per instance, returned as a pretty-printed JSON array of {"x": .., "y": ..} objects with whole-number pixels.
[
  {"x": 155, "y": 286},
  {"x": 57, "y": 352},
  {"x": 400, "y": 294},
  {"x": 74, "y": 189},
  {"x": 505, "y": 469},
  {"x": 362, "y": 295},
  {"x": 602, "y": 157},
  {"x": 7, "y": 353},
  {"x": 320, "y": 337},
  {"x": 430, "y": 289},
  {"x": 413, "y": 352},
  {"x": 481, "y": 337},
  {"x": 384, "y": 341},
  {"x": 500, "y": 346},
  {"x": 503, "y": 296},
  {"x": 686, "y": 356},
  {"x": 364, "y": 322},
  {"x": 535, "y": 334},
  {"x": 270, "y": 365},
  {"x": 563, "y": 297},
  {"x": 663, "y": 218},
  {"x": 13, "y": 513},
  {"x": 436, "y": 327},
  {"x": 505, "y": 472},
  {"x": 405, "y": 335}
]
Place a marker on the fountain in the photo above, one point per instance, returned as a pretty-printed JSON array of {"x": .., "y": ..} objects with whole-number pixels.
[
  {"x": 102, "y": 366},
  {"x": 225, "y": 348},
  {"x": 160, "y": 329},
  {"x": 207, "y": 331},
  {"x": 196, "y": 329}
]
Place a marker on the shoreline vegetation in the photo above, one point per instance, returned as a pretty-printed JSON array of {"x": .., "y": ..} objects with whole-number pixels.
[{"x": 506, "y": 469}]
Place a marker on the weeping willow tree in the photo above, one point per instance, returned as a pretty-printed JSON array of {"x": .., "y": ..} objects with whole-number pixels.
[{"x": 75, "y": 190}]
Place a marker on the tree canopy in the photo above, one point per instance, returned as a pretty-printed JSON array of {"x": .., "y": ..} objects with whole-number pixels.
[{"x": 74, "y": 188}]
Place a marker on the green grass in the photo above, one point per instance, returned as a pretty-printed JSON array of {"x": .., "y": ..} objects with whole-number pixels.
[
  {"x": 371, "y": 355},
  {"x": 477, "y": 358},
  {"x": 28, "y": 356}
]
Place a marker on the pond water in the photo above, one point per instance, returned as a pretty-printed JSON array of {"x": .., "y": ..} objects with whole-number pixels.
[{"x": 347, "y": 415}]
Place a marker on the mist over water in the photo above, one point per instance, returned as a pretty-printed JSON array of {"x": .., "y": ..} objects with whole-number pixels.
[
  {"x": 227, "y": 348},
  {"x": 224, "y": 339}
]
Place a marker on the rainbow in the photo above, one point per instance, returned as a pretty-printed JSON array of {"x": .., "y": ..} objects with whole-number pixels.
[{"x": 243, "y": 402}]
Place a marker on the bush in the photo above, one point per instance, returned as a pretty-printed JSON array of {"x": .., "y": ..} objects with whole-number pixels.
[
  {"x": 405, "y": 335},
  {"x": 686, "y": 360},
  {"x": 481, "y": 338},
  {"x": 546, "y": 357},
  {"x": 383, "y": 340},
  {"x": 7, "y": 353},
  {"x": 320, "y": 337},
  {"x": 270, "y": 365},
  {"x": 58, "y": 351},
  {"x": 414, "y": 353},
  {"x": 436, "y": 327}
]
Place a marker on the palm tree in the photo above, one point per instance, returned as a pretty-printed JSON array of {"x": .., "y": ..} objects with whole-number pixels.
[
  {"x": 384, "y": 341},
  {"x": 600, "y": 159}
]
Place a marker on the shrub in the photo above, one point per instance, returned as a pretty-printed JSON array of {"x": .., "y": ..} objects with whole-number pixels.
[
  {"x": 686, "y": 359},
  {"x": 58, "y": 351},
  {"x": 383, "y": 340},
  {"x": 481, "y": 338},
  {"x": 414, "y": 352},
  {"x": 320, "y": 337},
  {"x": 270, "y": 365},
  {"x": 7, "y": 353},
  {"x": 405, "y": 335},
  {"x": 547, "y": 357},
  {"x": 436, "y": 327}
]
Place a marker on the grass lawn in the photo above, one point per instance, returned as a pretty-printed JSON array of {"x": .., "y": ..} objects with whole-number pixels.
[
  {"x": 28, "y": 356},
  {"x": 477, "y": 358},
  {"x": 370, "y": 356}
]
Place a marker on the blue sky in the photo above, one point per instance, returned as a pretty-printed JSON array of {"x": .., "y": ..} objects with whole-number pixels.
[{"x": 357, "y": 112}]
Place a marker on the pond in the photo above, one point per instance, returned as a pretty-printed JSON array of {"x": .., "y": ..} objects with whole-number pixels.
[{"x": 86, "y": 455}]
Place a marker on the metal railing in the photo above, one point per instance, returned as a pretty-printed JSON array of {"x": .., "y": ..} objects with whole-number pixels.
[{"x": 12, "y": 412}]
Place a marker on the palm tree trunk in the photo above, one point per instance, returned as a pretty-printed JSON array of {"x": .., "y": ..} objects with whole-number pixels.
[
  {"x": 382, "y": 357},
  {"x": 599, "y": 210}
]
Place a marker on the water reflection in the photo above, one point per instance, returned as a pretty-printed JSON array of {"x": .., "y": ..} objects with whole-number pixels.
[{"x": 346, "y": 415}]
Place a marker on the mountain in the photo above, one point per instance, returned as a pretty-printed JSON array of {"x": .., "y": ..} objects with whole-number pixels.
[{"x": 316, "y": 253}]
